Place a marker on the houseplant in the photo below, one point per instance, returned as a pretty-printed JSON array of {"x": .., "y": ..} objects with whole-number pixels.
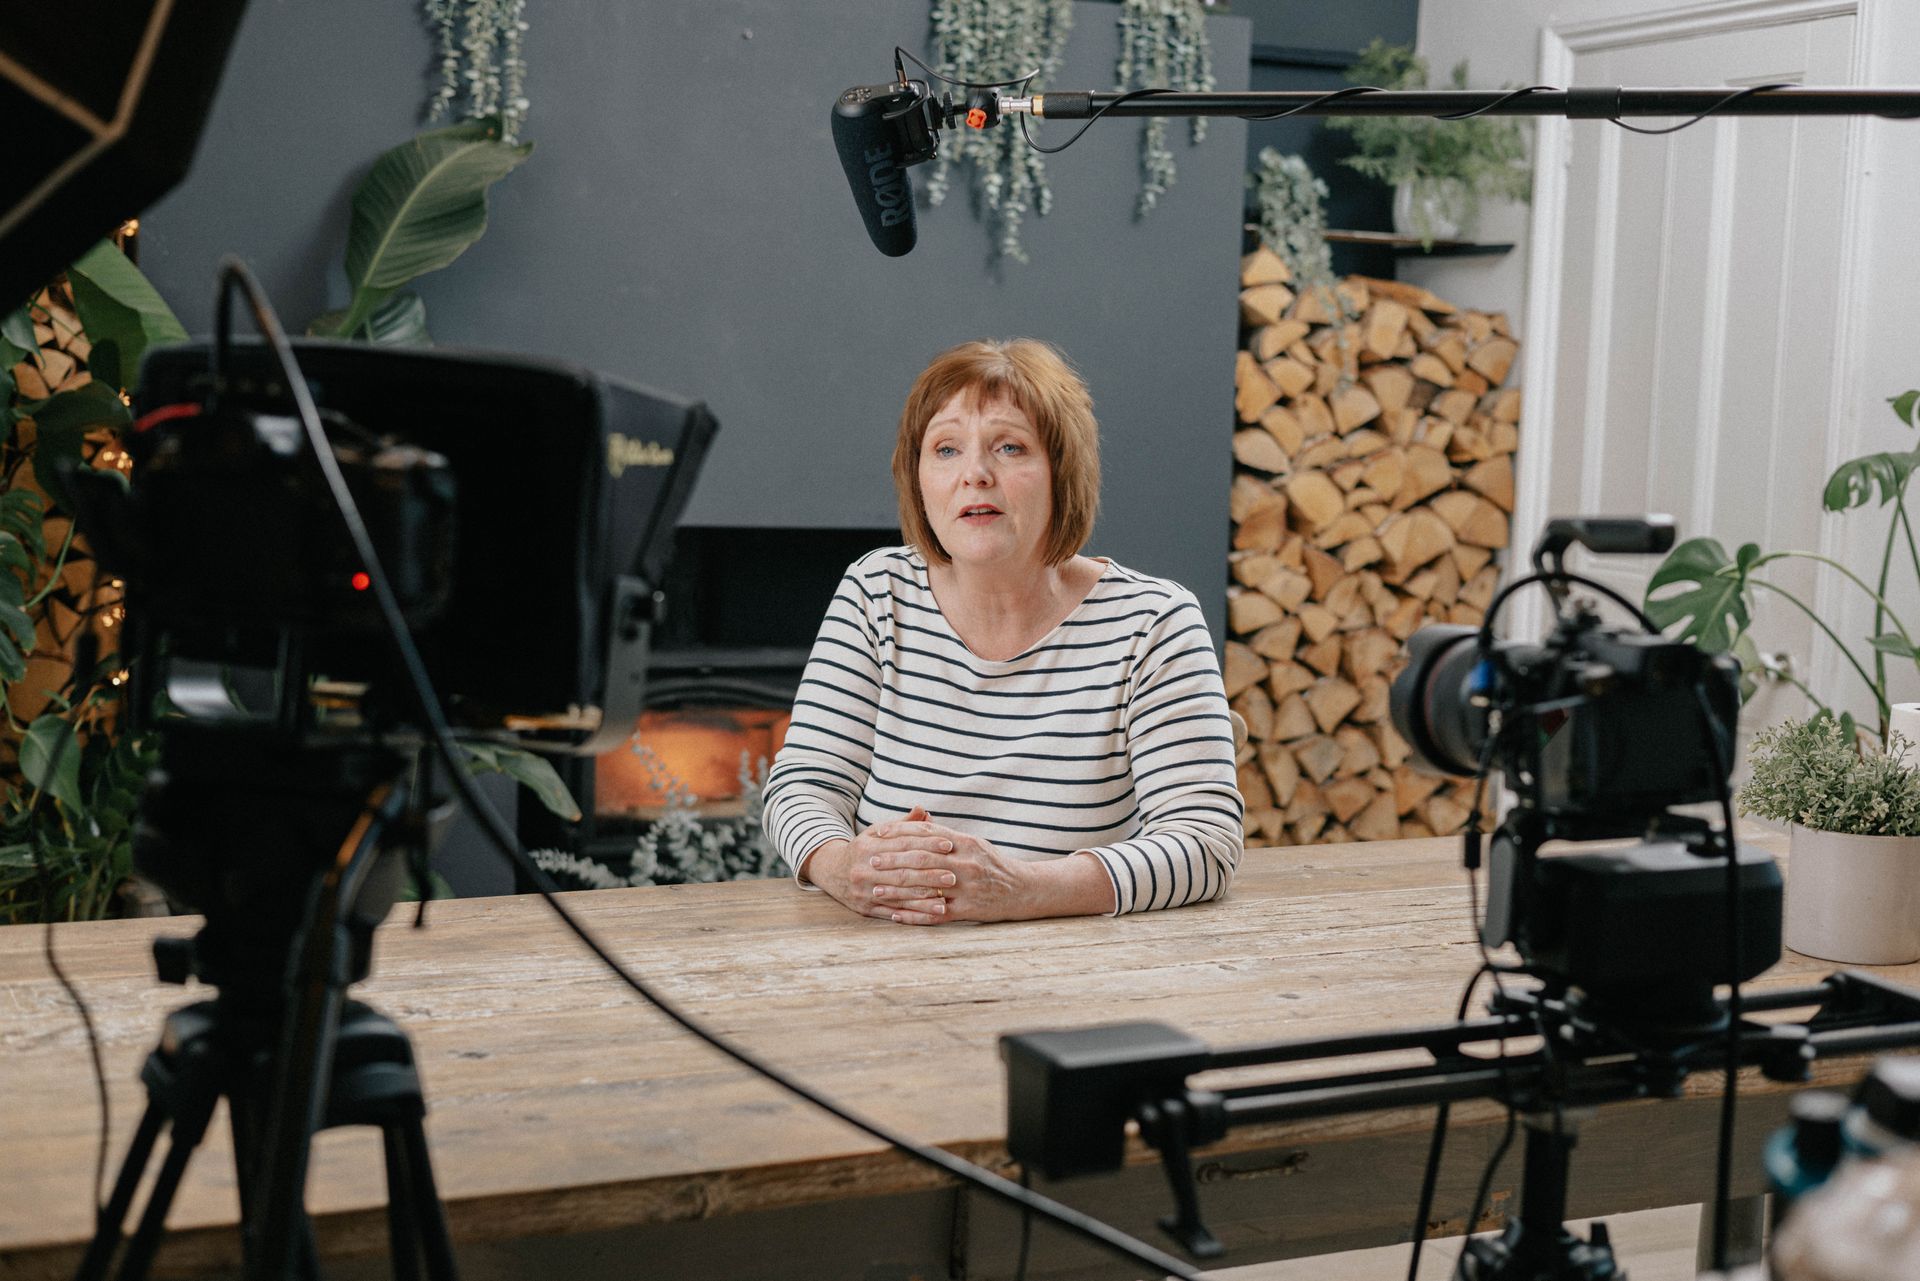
[
  {"x": 1853, "y": 893},
  {"x": 1440, "y": 169},
  {"x": 1707, "y": 595}
]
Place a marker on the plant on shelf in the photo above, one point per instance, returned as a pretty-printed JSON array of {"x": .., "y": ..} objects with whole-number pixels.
[
  {"x": 986, "y": 41},
  {"x": 1441, "y": 169},
  {"x": 1854, "y": 815},
  {"x": 1290, "y": 204},
  {"x": 69, "y": 778},
  {"x": 1163, "y": 45},
  {"x": 1708, "y": 595}
]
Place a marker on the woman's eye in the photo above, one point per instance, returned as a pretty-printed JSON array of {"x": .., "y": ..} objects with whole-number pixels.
[
  {"x": 1013, "y": 447},
  {"x": 944, "y": 451}
]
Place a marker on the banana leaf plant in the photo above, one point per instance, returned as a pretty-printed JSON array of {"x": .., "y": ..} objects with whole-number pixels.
[
  {"x": 422, "y": 205},
  {"x": 1705, "y": 595}
]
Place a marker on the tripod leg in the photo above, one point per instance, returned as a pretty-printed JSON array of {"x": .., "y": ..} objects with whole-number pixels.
[
  {"x": 428, "y": 1213},
  {"x": 106, "y": 1236},
  {"x": 402, "y": 1232},
  {"x": 153, "y": 1220}
]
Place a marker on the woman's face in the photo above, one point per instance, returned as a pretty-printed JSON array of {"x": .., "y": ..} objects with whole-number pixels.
[{"x": 985, "y": 483}]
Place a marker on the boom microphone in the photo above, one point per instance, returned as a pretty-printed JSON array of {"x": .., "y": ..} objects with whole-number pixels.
[{"x": 879, "y": 130}]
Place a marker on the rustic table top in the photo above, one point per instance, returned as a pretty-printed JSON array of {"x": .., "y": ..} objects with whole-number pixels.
[{"x": 559, "y": 1102}]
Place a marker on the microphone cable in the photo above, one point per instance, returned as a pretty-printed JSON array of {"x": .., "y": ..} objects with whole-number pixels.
[{"x": 233, "y": 271}]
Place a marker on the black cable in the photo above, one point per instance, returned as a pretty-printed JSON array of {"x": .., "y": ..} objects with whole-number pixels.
[
  {"x": 1125, "y": 97},
  {"x": 1435, "y": 1147},
  {"x": 1723, "y": 1153},
  {"x": 1020, "y": 82},
  {"x": 1026, "y": 1227},
  {"x": 1497, "y": 103},
  {"x": 232, "y": 270},
  {"x": 1725, "y": 102}
]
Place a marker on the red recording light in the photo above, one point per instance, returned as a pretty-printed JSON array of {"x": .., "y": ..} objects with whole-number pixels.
[
  {"x": 361, "y": 581},
  {"x": 977, "y": 118}
]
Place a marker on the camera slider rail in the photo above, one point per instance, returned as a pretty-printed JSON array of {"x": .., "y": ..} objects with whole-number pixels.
[{"x": 1070, "y": 1094}]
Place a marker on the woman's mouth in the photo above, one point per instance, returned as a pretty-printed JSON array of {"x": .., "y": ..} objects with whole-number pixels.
[{"x": 979, "y": 514}]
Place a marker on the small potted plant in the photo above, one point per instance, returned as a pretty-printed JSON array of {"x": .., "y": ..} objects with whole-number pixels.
[
  {"x": 1440, "y": 169},
  {"x": 1853, "y": 863}
]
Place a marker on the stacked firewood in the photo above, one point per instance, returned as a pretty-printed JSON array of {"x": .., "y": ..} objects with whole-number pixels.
[{"x": 1373, "y": 488}]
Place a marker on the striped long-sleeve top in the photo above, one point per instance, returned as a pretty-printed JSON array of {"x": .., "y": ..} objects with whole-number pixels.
[{"x": 1110, "y": 735}]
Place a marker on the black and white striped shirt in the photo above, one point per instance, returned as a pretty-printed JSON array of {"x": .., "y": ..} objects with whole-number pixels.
[{"x": 1109, "y": 735}]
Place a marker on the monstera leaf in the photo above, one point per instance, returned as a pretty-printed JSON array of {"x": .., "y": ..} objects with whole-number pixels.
[
  {"x": 1711, "y": 603},
  {"x": 419, "y": 208},
  {"x": 1857, "y": 480}
]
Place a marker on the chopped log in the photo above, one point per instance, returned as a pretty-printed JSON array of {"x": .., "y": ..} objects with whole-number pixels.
[
  {"x": 1450, "y": 345},
  {"x": 1330, "y": 700},
  {"x": 1386, "y": 472},
  {"x": 1478, "y": 592},
  {"x": 1315, "y": 418},
  {"x": 1288, "y": 374},
  {"x": 1247, "y": 495},
  {"x": 1318, "y": 622},
  {"x": 1453, "y": 404},
  {"x": 1253, "y": 787},
  {"x": 1316, "y": 306},
  {"x": 1465, "y": 616},
  {"x": 1349, "y": 526},
  {"x": 1361, "y": 754},
  {"x": 1360, "y": 553},
  {"x": 1470, "y": 559},
  {"x": 1342, "y": 595},
  {"x": 1369, "y": 652},
  {"x": 1503, "y": 437},
  {"x": 1469, "y": 445},
  {"x": 1253, "y": 391},
  {"x": 1284, "y": 426},
  {"x": 1399, "y": 423},
  {"x": 1352, "y": 405},
  {"x": 1319, "y": 756},
  {"x": 1264, "y": 304},
  {"x": 1289, "y": 553},
  {"x": 1263, "y": 531},
  {"x": 1502, "y": 404},
  {"x": 1248, "y": 612},
  {"x": 1456, "y": 507},
  {"x": 1269, "y": 341},
  {"x": 1292, "y": 718},
  {"x": 1277, "y": 641},
  {"x": 1347, "y": 475},
  {"x": 1242, "y": 668},
  {"x": 1413, "y": 538},
  {"x": 1427, "y": 472},
  {"x": 1487, "y": 527},
  {"x": 1355, "y": 294},
  {"x": 1471, "y": 381},
  {"x": 1406, "y": 293},
  {"x": 1366, "y": 442},
  {"x": 1431, "y": 368},
  {"x": 1390, "y": 384},
  {"x": 1287, "y": 587},
  {"x": 1412, "y": 786},
  {"x": 1412, "y": 829},
  {"x": 1324, "y": 570},
  {"x": 1375, "y": 698},
  {"x": 1348, "y": 796},
  {"x": 1322, "y": 656},
  {"x": 1317, "y": 499},
  {"x": 1256, "y": 709},
  {"x": 1493, "y": 357},
  {"x": 1308, "y": 829},
  {"x": 1393, "y": 749},
  {"x": 1419, "y": 325},
  {"x": 1377, "y": 822},
  {"x": 1322, "y": 453},
  {"x": 1493, "y": 479},
  {"x": 1282, "y": 771},
  {"x": 1386, "y": 321},
  {"x": 1447, "y": 815},
  {"x": 1285, "y": 678},
  {"x": 1264, "y": 267},
  {"x": 1446, "y": 581},
  {"x": 1256, "y": 449}
]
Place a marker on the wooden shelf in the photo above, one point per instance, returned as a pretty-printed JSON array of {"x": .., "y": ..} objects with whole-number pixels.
[{"x": 1411, "y": 244}]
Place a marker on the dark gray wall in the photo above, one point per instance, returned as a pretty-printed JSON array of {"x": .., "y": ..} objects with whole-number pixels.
[{"x": 683, "y": 222}]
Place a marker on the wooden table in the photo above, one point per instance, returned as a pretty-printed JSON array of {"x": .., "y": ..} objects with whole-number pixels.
[{"x": 574, "y": 1131}]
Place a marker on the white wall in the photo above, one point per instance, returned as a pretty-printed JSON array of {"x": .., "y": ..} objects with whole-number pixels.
[{"x": 1875, "y": 356}]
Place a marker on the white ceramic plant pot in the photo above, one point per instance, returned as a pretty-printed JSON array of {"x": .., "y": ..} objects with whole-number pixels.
[
  {"x": 1437, "y": 199},
  {"x": 1853, "y": 899}
]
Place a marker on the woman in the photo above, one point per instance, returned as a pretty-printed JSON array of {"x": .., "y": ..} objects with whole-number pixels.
[{"x": 991, "y": 725}]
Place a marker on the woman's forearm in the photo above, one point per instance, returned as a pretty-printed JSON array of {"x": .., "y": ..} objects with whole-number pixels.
[{"x": 1077, "y": 885}]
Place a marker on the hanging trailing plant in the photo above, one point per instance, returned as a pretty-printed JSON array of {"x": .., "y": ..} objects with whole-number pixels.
[
  {"x": 481, "y": 71},
  {"x": 984, "y": 41},
  {"x": 1293, "y": 216},
  {"x": 1163, "y": 45}
]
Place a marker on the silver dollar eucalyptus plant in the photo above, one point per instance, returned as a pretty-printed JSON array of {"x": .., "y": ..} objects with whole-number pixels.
[
  {"x": 1163, "y": 45},
  {"x": 1293, "y": 218},
  {"x": 984, "y": 41},
  {"x": 481, "y": 71}
]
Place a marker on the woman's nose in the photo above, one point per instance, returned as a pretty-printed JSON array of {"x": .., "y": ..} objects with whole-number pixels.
[{"x": 979, "y": 469}]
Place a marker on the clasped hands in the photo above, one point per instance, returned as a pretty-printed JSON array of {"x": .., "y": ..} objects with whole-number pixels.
[{"x": 915, "y": 871}]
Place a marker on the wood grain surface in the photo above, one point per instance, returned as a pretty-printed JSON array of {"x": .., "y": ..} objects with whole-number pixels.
[{"x": 559, "y": 1103}]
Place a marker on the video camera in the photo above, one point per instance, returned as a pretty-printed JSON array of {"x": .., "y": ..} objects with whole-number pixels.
[{"x": 1600, "y": 733}]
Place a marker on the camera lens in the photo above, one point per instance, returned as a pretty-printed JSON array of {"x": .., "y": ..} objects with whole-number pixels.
[{"x": 1432, "y": 700}]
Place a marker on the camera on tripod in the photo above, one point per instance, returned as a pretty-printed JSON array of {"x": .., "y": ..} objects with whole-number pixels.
[{"x": 1600, "y": 733}]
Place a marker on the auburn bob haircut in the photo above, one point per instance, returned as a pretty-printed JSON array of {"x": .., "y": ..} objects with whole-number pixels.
[{"x": 1036, "y": 378}]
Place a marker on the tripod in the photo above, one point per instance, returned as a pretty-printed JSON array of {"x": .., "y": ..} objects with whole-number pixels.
[
  {"x": 1536, "y": 1246},
  {"x": 280, "y": 1042}
]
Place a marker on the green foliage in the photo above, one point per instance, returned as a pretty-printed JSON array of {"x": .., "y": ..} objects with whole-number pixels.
[
  {"x": 480, "y": 51},
  {"x": 1818, "y": 774},
  {"x": 1163, "y": 45},
  {"x": 1458, "y": 161},
  {"x": 1293, "y": 218},
  {"x": 984, "y": 41},
  {"x": 1708, "y": 596},
  {"x": 420, "y": 207},
  {"x": 122, "y": 313},
  {"x": 536, "y": 773}
]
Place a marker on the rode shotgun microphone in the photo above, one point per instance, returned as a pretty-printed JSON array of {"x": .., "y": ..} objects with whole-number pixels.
[{"x": 879, "y": 130}]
